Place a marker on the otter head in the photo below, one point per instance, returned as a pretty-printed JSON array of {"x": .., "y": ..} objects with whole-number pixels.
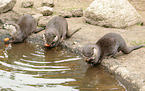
[
  {"x": 51, "y": 40},
  {"x": 12, "y": 31},
  {"x": 90, "y": 53}
]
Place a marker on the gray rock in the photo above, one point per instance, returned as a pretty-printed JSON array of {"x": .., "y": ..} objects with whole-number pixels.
[
  {"x": 37, "y": 16},
  {"x": 112, "y": 13},
  {"x": 65, "y": 14},
  {"x": 9, "y": 16},
  {"x": 49, "y": 3},
  {"x": 6, "y": 5},
  {"x": 43, "y": 21},
  {"x": 77, "y": 12},
  {"x": 46, "y": 11},
  {"x": 27, "y": 4}
]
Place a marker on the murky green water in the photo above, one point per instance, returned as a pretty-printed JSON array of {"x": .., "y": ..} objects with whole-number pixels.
[{"x": 27, "y": 67}]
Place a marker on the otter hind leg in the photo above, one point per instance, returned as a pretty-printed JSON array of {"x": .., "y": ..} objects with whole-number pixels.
[{"x": 115, "y": 50}]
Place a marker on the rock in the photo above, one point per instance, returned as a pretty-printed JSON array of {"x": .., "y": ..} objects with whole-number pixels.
[
  {"x": 1, "y": 22},
  {"x": 43, "y": 21},
  {"x": 65, "y": 14},
  {"x": 112, "y": 13},
  {"x": 46, "y": 11},
  {"x": 49, "y": 3},
  {"x": 9, "y": 16},
  {"x": 6, "y": 5},
  {"x": 37, "y": 16},
  {"x": 77, "y": 12},
  {"x": 27, "y": 4},
  {"x": 11, "y": 28}
]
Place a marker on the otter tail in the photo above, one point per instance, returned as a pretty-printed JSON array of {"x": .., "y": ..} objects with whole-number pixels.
[
  {"x": 39, "y": 30},
  {"x": 68, "y": 35},
  {"x": 130, "y": 49}
]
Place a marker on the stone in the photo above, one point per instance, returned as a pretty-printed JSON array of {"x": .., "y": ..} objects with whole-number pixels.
[
  {"x": 65, "y": 14},
  {"x": 46, "y": 11},
  {"x": 11, "y": 28},
  {"x": 43, "y": 21},
  {"x": 6, "y": 5},
  {"x": 49, "y": 3},
  {"x": 9, "y": 16},
  {"x": 77, "y": 12},
  {"x": 37, "y": 16},
  {"x": 112, "y": 13},
  {"x": 27, "y": 4}
]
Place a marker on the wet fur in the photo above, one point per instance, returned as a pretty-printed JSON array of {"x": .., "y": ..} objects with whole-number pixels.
[
  {"x": 56, "y": 30},
  {"x": 107, "y": 46}
]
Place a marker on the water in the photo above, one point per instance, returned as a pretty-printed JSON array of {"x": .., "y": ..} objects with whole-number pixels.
[{"x": 27, "y": 67}]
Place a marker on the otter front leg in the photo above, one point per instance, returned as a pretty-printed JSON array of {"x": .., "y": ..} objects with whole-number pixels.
[{"x": 97, "y": 60}]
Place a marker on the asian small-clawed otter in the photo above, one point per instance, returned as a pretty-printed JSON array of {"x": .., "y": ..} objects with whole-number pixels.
[
  {"x": 56, "y": 30},
  {"x": 107, "y": 46},
  {"x": 25, "y": 26}
]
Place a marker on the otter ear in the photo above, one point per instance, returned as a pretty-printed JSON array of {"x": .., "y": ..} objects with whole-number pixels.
[{"x": 55, "y": 39}]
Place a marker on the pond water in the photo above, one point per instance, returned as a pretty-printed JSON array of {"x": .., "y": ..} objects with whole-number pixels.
[{"x": 28, "y": 67}]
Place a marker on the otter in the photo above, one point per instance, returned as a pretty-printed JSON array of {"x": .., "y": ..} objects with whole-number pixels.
[
  {"x": 107, "y": 46},
  {"x": 25, "y": 26},
  {"x": 56, "y": 30}
]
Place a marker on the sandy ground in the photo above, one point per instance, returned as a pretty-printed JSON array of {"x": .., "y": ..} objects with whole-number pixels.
[{"x": 128, "y": 68}]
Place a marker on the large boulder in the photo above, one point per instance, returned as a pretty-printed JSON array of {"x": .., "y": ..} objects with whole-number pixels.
[
  {"x": 112, "y": 13},
  {"x": 6, "y": 5}
]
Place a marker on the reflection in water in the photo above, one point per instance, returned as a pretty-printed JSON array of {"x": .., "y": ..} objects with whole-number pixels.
[{"x": 32, "y": 67}]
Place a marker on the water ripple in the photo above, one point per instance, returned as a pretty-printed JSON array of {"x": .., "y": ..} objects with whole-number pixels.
[
  {"x": 29, "y": 69},
  {"x": 28, "y": 65}
]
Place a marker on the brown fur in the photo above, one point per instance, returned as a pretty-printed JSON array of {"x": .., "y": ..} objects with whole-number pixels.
[
  {"x": 25, "y": 26},
  {"x": 56, "y": 30},
  {"x": 108, "y": 45}
]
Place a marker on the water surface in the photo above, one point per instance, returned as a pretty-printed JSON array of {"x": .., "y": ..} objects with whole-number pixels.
[{"x": 28, "y": 67}]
